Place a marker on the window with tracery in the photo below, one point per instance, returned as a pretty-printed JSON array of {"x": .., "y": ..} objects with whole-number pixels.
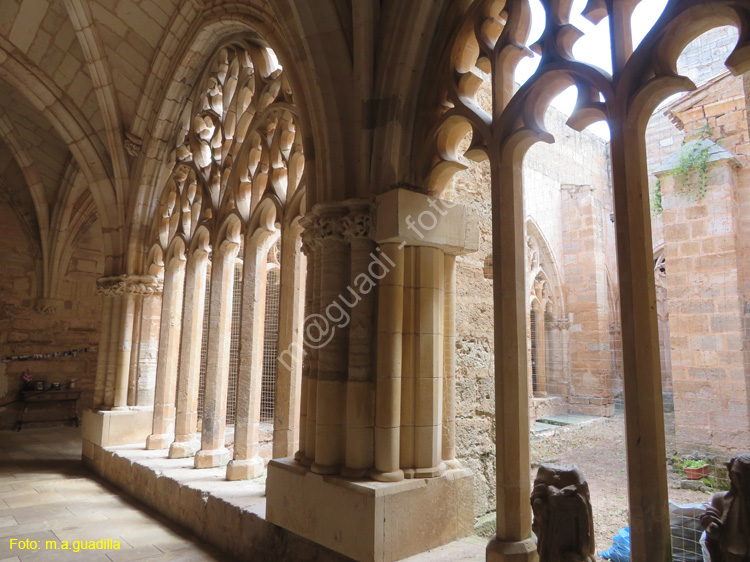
[{"x": 236, "y": 168}]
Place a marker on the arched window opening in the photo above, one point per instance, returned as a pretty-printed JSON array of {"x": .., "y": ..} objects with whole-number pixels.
[
  {"x": 234, "y": 346},
  {"x": 204, "y": 343},
  {"x": 271, "y": 335},
  {"x": 534, "y": 350}
]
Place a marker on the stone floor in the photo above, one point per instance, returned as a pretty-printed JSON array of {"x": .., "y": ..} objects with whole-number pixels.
[{"x": 47, "y": 495}]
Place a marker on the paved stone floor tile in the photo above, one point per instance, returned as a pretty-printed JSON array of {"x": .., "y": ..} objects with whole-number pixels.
[{"x": 47, "y": 495}]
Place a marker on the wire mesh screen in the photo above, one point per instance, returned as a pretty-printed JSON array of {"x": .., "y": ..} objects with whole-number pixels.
[
  {"x": 234, "y": 345},
  {"x": 554, "y": 347},
  {"x": 204, "y": 343},
  {"x": 270, "y": 345}
]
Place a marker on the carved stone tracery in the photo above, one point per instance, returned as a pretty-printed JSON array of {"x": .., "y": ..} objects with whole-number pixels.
[
  {"x": 490, "y": 43},
  {"x": 237, "y": 146}
]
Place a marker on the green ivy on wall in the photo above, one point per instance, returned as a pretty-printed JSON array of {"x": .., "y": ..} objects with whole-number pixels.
[
  {"x": 691, "y": 173},
  {"x": 656, "y": 208}
]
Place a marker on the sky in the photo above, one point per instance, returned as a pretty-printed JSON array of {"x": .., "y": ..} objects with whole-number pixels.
[{"x": 593, "y": 47}]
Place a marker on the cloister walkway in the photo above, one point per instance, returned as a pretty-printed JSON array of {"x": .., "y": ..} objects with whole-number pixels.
[{"x": 46, "y": 494}]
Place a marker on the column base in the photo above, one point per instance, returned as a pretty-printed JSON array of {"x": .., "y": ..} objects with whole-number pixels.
[
  {"x": 245, "y": 469},
  {"x": 184, "y": 449},
  {"x": 354, "y": 473},
  {"x": 370, "y": 521},
  {"x": 395, "y": 476},
  {"x": 452, "y": 464},
  {"x": 159, "y": 441},
  {"x": 325, "y": 469},
  {"x": 106, "y": 428},
  {"x": 521, "y": 551},
  {"x": 211, "y": 458},
  {"x": 425, "y": 472}
]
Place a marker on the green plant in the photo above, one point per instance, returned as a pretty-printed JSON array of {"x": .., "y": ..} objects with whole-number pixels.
[
  {"x": 693, "y": 163},
  {"x": 697, "y": 463},
  {"x": 716, "y": 483},
  {"x": 656, "y": 208}
]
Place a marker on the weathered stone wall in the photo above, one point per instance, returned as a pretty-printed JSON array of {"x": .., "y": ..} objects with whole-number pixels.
[
  {"x": 30, "y": 326},
  {"x": 705, "y": 246},
  {"x": 705, "y": 252}
]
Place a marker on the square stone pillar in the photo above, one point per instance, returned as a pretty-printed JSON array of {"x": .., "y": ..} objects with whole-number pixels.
[{"x": 405, "y": 471}]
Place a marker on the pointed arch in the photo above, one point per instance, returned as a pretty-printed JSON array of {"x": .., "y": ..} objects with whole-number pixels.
[{"x": 80, "y": 138}]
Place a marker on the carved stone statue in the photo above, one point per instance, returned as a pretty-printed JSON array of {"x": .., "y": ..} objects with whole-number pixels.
[
  {"x": 563, "y": 522},
  {"x": 727, "y": 521}
]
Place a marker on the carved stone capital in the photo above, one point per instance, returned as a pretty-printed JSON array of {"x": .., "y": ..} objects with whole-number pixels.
[
  {"x": 559, "y": 324},
  {"x": 129, "y": 284},
  {"x": 358, "y": 224},
  {"x": 332, "y": 228},
  {"x": 309, "y": 236}
]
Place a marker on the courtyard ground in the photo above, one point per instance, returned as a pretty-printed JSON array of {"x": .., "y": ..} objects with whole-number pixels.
[{"x": 598, "y": 449}]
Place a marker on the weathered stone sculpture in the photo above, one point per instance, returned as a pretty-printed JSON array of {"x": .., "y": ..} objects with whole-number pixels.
[
  {"x": 727, "y": 521},
  {"x": 563, "y": 521}
]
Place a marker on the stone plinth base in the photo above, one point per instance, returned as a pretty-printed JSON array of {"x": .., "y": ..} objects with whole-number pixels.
[
  {"x": 522, "y": 551},
  {"x": 105, "y": 428},
  {"x": 370, "y": 521},
  {"x": 228, "y": 515}
]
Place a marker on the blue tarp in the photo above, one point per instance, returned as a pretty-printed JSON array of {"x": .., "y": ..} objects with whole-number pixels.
[{"x": 620, "y": 549}]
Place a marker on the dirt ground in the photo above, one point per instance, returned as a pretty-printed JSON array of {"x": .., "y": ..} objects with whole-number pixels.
[{"x": 598, "y": 449}]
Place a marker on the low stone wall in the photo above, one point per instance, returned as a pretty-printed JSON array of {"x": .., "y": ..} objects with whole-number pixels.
[{"x": 227, "y": 515}]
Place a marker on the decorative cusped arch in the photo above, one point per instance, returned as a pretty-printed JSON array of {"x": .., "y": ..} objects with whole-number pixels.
[{"x": 487, "y": 44}]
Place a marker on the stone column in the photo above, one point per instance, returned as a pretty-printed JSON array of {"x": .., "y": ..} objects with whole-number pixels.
[
  {"x": 360, "y": 386},
  {"x": 162, "y": 432},
  {"x": 148, "y": 346},
  {"x": 134, "y": 367},
  {"x": 306, "y": 356},
  {"x": 186, "y": 439},
  {"x": 312, "y": 225},
  {"x": 213, "y": 451},
  {"x": 376, "y": 452},
  {"x": 114, "y": 370},
  {"x": 644, "y": 414},
  {"x": 422, "y": 390},
  {"x": 247, "y": 462},
  {"x": 287, "y": 403},
  {"x": 388, "y": 382},
  {"x": 115, "y": 333},
  {"x": 124, "y": 347},
  {"x": 449, "y": 363},
  {"x": 334, "y": 346},
  {"x": 104, "y": 343},
  {"x": 512, "y": 540}
]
